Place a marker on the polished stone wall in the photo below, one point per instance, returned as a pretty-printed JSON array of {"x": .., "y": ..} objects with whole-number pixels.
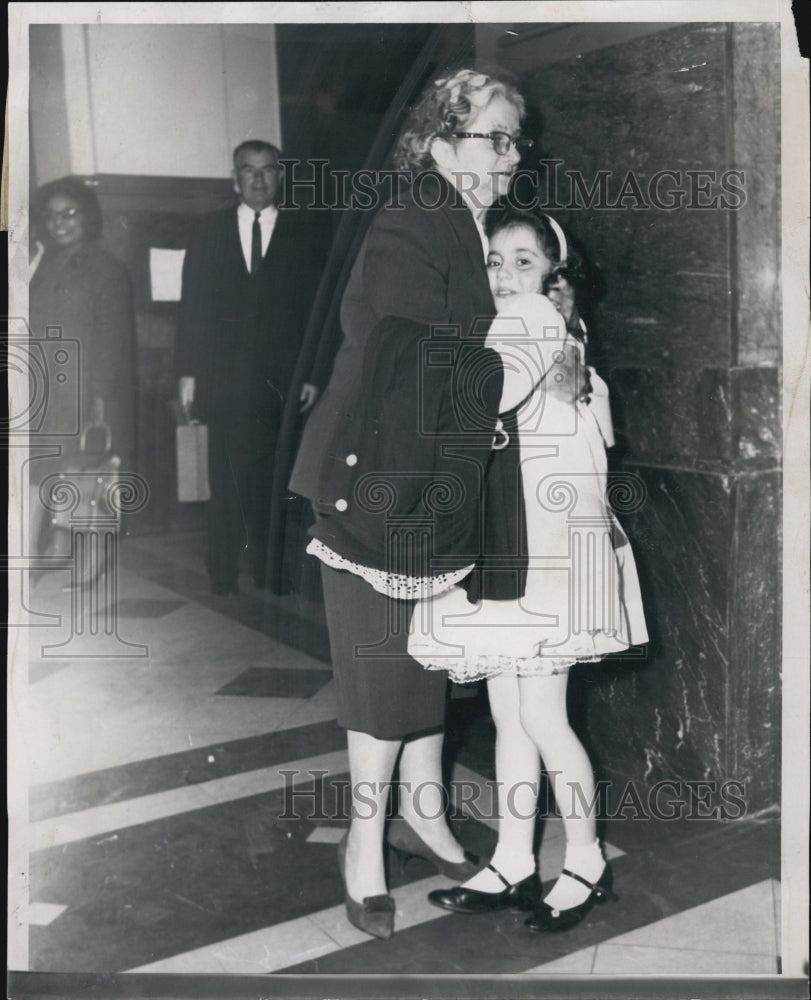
[{"x": 690, "y": 335}]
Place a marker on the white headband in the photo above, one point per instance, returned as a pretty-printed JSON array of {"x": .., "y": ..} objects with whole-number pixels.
[{"x": 562, "y": 245}]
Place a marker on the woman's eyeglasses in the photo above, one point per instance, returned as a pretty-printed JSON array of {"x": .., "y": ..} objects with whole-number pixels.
[
  {"x": 502, "y": 142},
  {"x": 61, "y": 216}
]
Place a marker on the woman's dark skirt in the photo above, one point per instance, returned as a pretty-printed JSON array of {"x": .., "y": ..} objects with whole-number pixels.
[{"x": 381, "y": 690}]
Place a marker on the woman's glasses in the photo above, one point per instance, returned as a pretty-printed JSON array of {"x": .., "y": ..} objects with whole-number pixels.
[
  {"x": 502, "y": 142},
  {"x": 60, "y": 216}
]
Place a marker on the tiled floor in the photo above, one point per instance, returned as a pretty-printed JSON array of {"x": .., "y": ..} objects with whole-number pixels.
[{"x": 184, "y": 805}]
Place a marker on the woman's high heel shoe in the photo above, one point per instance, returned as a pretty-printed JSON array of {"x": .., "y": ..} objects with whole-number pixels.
[
  {"x": 375, "y": 915},
  {"x": 407, "y": 843},
  {"x": 545, "y": 918}
]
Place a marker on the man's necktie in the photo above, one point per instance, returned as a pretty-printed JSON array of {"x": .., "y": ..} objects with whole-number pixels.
[{"x": 256, "y": 245}]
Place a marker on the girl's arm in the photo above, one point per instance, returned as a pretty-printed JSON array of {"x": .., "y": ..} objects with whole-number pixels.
[
  {"x": 530, "y": 335},
  {"x": 600, "y": 406}
]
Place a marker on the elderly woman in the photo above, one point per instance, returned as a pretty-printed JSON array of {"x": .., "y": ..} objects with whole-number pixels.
[
  {"x": 402, "y": 438},
  {"x": 86, "y": 292}
]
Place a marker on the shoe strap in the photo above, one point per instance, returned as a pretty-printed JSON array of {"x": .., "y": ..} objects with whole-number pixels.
[
  {"x": 579, "y": 878},
  {"x": 498, "y": 873}
]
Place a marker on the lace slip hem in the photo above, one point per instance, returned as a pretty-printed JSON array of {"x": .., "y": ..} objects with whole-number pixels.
[
  {"x": 395, "y": 585},
  {"x": 494, "y": 665}
]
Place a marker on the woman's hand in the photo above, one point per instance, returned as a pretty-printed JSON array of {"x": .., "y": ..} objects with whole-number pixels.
[
  {"x": 561, "y": 294},
  {"x": 568, "y": 380}
]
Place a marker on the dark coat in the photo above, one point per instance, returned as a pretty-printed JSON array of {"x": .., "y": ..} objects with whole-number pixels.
[
  {"x": 239, "y": 335},
  {"x": 88, "y": 294},
  {"x": 400, "y": 438}
]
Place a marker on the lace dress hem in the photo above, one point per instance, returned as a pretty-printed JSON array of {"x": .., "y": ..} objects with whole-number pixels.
[
  {"x": 492, "y": 665},
  {"x": 394, "y": 585}
]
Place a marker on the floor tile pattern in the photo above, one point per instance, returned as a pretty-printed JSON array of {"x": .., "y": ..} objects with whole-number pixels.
[
  {"x": 184, "y": 812},
  {"x": 188, "y": 767},
  {"x": 257, "y": 682}
]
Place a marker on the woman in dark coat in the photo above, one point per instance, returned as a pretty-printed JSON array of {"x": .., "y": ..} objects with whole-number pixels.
[
  {"x": 391, "y": 427},
  {"x": 86, "y": 293}
]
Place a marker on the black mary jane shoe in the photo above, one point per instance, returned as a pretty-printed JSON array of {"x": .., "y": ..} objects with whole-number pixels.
[
  {"x": 375, "y": 915},
  {"x": 545, "y": 919},
  {"x": 406, "y": 843},
  {"x": 523, "y": 895}
]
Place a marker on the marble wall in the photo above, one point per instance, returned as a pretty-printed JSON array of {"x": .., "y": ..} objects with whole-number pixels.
[{"x": 690, "y": 332}]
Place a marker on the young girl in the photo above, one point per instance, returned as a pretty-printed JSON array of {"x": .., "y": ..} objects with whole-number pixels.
[{"x": 581, "y": 598}]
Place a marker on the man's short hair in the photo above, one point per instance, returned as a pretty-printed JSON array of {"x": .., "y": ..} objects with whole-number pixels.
[{"x": 257, "y": 146}]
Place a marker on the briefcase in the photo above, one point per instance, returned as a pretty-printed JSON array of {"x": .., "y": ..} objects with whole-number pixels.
[{"x": 192, "y": 462}]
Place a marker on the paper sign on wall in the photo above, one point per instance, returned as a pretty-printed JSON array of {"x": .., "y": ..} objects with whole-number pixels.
[{"x": 166, "y": 274}]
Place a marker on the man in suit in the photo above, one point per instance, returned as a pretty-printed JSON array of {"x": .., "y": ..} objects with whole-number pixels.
[{"x": 245, "y": 301}]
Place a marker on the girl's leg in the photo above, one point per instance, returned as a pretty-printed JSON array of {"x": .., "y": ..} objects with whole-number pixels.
[
  {"x": 544, "y": 717},
  {"x": 518, "y": 777},
  {"x": 371, "y": 765},
  {"x": 422, "y": 795}
]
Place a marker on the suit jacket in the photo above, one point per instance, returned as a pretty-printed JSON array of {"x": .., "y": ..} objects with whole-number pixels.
[
  {"x": 419, "y": 283},
  {"x": 239, "y": 334}
]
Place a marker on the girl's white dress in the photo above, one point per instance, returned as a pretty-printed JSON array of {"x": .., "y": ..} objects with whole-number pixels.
[{"x": 582, "y": 598}]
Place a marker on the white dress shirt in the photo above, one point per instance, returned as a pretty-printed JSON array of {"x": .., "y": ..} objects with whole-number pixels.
[{"x": 267, "y": 222}]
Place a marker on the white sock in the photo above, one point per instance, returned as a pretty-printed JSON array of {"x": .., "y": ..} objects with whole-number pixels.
[
  {"x": 585, "y": 860},
  {"x": 513, "y": 866}
]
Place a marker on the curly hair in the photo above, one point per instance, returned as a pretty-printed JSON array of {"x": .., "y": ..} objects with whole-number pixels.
[
  {"x": 76, "y": 190},
  {"x": 449, "y": 105}
]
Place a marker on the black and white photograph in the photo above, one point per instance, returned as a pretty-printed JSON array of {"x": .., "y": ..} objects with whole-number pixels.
[{"x": 408, "y": 500}]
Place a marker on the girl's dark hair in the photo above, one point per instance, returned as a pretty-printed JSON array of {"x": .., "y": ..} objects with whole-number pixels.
[
  {"x": 505, "y": 216},
  {"x": 577, "y": 269},
  {"x": 76, "y": 190}
]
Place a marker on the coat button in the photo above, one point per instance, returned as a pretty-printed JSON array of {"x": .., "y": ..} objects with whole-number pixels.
[
  {"x": 351, "y": 459},
  {"x": 341, "y": 504}
]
